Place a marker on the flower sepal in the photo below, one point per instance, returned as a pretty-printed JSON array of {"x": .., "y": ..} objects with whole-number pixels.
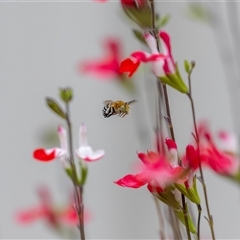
[
  {"x": 168, "y": 197},
  {"x": 141, "y": 16},
  {"x": 175, "y": 81},
  {"x": 191, "y": 193},
  {"x": 180, "y": 216}
]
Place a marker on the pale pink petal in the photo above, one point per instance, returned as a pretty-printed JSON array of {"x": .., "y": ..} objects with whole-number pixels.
[
  {"x": 62, "y": 133},
  {"x": 228, "y": 142},
  {"x": 151, "y": 42},
  {"x": 83, "y": 135}
]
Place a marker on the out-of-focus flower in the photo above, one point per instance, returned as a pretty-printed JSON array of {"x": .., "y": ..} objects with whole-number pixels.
[
  {"x": 84, "y": 151},
  {"x": 134, "y": 3},
  {"x": 157, "y": 172},
  {"x": 163, "y": 64},
  {"x": 46, "y": 210},
  {"x": 107, "y": 67},
  {"x": 222, "y": 161}
]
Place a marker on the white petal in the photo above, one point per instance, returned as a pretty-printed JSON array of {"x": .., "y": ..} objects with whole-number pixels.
[
  {"x": 157, "y": 68},
  {"x": 151, "y": 42},
  {"x": 63, "y": 138},
  {"x": 97, "y": 155},
  {"x": 82, "y": 135},
  {"x": 84, "y": 152}
]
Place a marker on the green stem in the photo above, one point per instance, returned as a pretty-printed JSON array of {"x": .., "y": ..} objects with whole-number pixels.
[
  {"x": 199, "y": 220},
  {"x": 169, "y": 116},
  {"x": 210, "y": 218},
  {"x": 78, "y": 190}
]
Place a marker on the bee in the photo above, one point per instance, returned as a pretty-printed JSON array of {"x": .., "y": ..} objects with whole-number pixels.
[{"x": 119, "y": 108}]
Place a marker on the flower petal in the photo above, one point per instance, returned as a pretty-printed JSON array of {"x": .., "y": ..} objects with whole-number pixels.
[
  {"x": 129, "y": 65},
  {"x": 30, "y": 215},
  {"x": 47, "y": 155},
  {"x": 146, "y": 57},
  {"x": 62, "y": 134},
  {"x": 130, "y": 181},
  {"x": 87, "y": 154}
]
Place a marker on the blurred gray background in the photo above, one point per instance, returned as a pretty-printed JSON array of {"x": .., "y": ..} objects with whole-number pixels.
[{"x": 41, "y": 44}]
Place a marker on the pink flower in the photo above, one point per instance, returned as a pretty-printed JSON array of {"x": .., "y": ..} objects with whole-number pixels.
[
  {"x": 222, "y": 161},
  {"x": 156, "y": 172},
  {"x": 108, "y": 66},
  {"x": 46, "y": 210},
  {"x": 84, "y": 151}
]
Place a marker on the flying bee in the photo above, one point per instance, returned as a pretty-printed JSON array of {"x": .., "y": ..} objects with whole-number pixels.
[{"x": 119, "y": 108}]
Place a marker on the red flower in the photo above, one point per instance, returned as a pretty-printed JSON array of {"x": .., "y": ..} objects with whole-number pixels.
[
  {"x": 156, "y": 172},
  {"x": 106, "y": 67},
  {"x": 46, "y": 210},
  {"x": 222, "y": 161},
  {"x": 84, "y": 151},
  {"x": 134, "y": 3},
  {"x": 162, "y": 63}
]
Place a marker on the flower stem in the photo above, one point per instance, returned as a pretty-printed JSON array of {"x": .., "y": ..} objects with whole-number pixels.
[
  {"x": 78, "y": 190},
  {"x": 170, "y": 126},
  {"x": 210, "y": 217},
  {"x": 199, "y": 220},
  {"x": 160, "y": 219}
]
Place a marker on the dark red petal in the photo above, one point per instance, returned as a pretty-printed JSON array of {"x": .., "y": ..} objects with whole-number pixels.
[
  {"x": 41, "y": 155},
  {"x": 144, "y": 158},
  {"x": 192, "y": 157},
  {"x": 130, "y": 181},
  {"x": 170, "y": 143},
  {"x": 154, "y": 189},
  {"x": 128, "y": 65},
  {"x": 166, "y": 38}
]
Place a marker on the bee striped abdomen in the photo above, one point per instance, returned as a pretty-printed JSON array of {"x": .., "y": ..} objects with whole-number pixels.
[{"x": 108, "y": 111}]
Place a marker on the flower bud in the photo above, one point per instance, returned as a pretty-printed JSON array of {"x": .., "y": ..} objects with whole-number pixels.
[{"x": 66, "y": 94}]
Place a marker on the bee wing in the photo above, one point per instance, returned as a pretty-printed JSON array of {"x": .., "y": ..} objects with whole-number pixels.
[
  {"x": 131, "y": 102},
  {"x": 106, "y": 102}
]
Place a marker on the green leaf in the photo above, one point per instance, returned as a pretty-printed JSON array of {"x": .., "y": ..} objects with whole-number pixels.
[
  {"x": 199, "y": 12},
  {"x": 187, "y": 66},
  {"x": 53, "y": 105},
  {"x": 162, "y": 21},
  {"x": 84, "y": 173},
  {"x": 180, "y": 216},
  {"x": 69, "y": 173},
  {"x": 139, "y": 36}
]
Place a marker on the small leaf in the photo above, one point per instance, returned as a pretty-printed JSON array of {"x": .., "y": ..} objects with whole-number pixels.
[
  {"x": 139, "y": 36},
  {"x": 198, "y": 12},
  {"x": 55, "y": 107},
  {"x": 84, "y": 172},
  {"x": 69, "y": 173},
  {"x": 163, "y": 21},
  {"x": 187, "y": 66}
]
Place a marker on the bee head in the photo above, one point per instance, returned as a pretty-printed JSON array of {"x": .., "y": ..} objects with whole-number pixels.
[{"x": 125, "y": 108}]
